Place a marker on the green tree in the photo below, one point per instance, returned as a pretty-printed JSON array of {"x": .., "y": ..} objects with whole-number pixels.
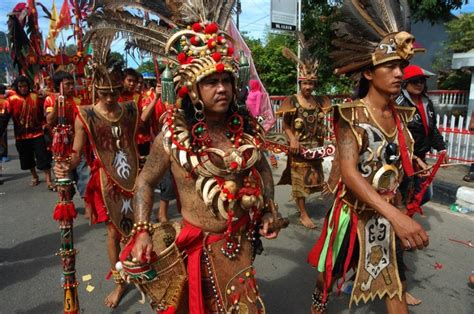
[
  {"x": 146, "y": 66},
  {"x": 460, "y": 39},
  {"x": 434, "y": 10},
  {"x": 117, "y": 56},
  {"x": 5, "y": 59},
  {"x": 461, "y": 33},
  {"x": 71, "y": 49},
  {"x": 316, "y": 25},
  {"x": 277, "y": 73}
]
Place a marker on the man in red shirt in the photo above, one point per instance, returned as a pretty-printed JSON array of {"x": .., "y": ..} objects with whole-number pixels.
[
  {"x": 129, "y": 93},
  {"x": 25, "y": 109},
  {"x": 81, "y": 173},
  {"x": 70, "y": 101},
  {"x": 4, "y": 139}
]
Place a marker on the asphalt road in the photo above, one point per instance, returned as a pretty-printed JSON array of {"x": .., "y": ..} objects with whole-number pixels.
[{"x": 30, "y": 271}]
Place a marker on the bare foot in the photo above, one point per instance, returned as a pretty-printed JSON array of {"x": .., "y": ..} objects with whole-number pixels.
[
  {"x": 35, "y": 181},
  {"x": 113, "y": 299},
  {"x": 411, "y": 300},
  {"x": 307, "y": 222}
]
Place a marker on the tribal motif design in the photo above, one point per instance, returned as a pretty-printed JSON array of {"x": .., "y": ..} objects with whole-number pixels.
[
  {"x": 122, "y": 167},
  {"x": 126, "y": 206}
]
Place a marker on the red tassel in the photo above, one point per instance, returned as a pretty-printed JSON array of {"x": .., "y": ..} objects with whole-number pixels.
[
  {"x": 352, "y": 239},
  {"x": 64, "y": 211},
  {"x": 109, "y": 275},
  {"x": 61, "y": 142}
]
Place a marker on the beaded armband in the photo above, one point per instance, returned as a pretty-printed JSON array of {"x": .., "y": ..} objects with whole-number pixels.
[
  {"x": 141, "y": 226},
  {"x": 270, "y": 206},
  {"x": 117, "y": 277},
  {"x": 317, "y": 301}
]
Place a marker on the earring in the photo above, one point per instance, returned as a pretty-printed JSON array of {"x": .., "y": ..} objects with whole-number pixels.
[
  {"x": 234, "y": 107},
  {"x": 199, "y": 130},
  {"x": 199, "y": 111}
]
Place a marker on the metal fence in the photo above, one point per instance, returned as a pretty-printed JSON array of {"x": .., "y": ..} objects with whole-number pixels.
[{"x": 453, "y": 127}]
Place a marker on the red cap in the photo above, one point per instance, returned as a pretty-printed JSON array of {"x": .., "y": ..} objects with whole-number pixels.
[{"x": 412, "y": 71}]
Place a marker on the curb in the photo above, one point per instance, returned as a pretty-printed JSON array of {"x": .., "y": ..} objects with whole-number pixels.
[{"x": 444, "y": 192}]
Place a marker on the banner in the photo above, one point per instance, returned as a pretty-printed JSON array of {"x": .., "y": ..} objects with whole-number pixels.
[{"x": 284, "y": 15}]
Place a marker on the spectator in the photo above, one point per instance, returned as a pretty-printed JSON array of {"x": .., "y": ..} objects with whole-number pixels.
[
  {"x": 26, "y": 111},
  {"x": 4, "y": 139},
  {"x": 423, "y": 126}
]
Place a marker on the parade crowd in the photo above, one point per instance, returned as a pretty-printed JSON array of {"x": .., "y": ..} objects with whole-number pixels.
[{"x": 195, "y": 135}]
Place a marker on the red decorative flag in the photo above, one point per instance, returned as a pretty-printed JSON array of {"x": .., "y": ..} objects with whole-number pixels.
[{"x": 64, "y": 19}]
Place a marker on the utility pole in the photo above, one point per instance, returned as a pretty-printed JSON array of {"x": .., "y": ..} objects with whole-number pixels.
[{"x": 238, "y": 10}]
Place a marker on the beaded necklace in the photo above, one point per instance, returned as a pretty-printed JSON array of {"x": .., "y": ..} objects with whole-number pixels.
[{"x": 215, "y": 184}]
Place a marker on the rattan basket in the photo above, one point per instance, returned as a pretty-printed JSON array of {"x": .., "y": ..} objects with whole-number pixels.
[{"x": 166, "y": 288}]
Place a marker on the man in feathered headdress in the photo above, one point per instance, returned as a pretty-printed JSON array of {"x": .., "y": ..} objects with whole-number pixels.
[
  {"x": 304, "y": 124},
  {"x": 214, "y": 150},
  {"x": 110, "y": 128},
  {"x": 375, "y": 152}
]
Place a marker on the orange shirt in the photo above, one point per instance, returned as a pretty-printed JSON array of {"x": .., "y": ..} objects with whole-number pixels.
[
  {"x": 3, "y": 105},
  {"x": 70, "y": 107},
  {"x": 27, "y": 115}
]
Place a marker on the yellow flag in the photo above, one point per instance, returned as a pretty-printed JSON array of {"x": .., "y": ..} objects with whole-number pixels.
[{"x": 53, "y": 31}]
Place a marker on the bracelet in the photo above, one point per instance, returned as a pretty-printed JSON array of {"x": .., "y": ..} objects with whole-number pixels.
[
  {"x": 145, "y": 226},
  {"x": 117, "y": 277},
  {"x": 318, "y": 303},
  {"x": 267, "y": 208}
]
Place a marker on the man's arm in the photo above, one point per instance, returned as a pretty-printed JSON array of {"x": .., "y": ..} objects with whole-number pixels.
[
  {"x": 267, "y": 177},
  {"x": 157, "y": 163},
  {"x": 271, "y": 209},
  {"x": 61, "y": 169},
  {"x": 286, "y": 126},
  {"x": 4, "y": 117},
  {"x": 51, "y": 112},
  {"x": 409, "y": 231},
  {"x": 150, "y": 108}
]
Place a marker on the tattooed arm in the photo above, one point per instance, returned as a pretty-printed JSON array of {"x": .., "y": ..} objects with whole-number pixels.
[
  {"x": 287, "y": 119},
  {"x": 157, "y": 163},
  {"x": 409, "y": 231},
  {"x": 271, "y": 214},
  {"x": 267, "y": 177}
]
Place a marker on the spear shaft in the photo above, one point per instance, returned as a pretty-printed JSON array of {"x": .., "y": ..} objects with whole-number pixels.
[{"x": 64, "y": 211}]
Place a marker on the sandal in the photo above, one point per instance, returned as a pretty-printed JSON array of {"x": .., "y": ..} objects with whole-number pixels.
[
  {"x": 34, "y": 182},
  {"x": 52, "y": 188}
]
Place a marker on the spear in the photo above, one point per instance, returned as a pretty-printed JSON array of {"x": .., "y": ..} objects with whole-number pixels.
[{"x": 65, "y": 211}]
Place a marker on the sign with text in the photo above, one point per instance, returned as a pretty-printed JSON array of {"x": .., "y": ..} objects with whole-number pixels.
[{"x": 283, "y": 15}]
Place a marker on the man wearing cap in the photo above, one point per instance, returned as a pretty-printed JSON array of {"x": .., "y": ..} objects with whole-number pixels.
[{"x": 423, "y": 126}]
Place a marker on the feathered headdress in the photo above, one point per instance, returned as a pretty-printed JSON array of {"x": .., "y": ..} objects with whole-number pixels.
[
  {"x": 307, "y": 64},
  {"x": 188, "y": 33},
  {"x": 371, "y": 33}
]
